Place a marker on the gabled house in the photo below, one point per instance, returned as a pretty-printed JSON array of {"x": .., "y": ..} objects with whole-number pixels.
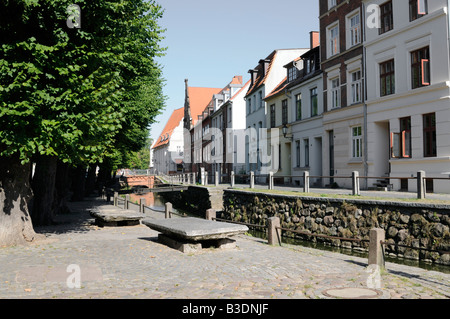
[
  {"x": 168, "y": 148},
  {"x": 263, "y": 79}
]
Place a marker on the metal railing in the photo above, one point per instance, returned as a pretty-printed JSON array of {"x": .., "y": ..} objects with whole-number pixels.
[{"x": 270, "y": 180}]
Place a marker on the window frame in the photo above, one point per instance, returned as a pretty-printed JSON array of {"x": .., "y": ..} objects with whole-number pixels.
[
  {"x": 333, "y": 42},
  {"x": 272, "y": 116},
  {"x": 357, "y": 142},
  {"x": 298, "y": 107},
  {"x": 335, "y": 93},
  {"x": 420, "y": 68},
  {"x": 414, "y": 9},
  {"x": 284, "y": 112},
  {"x": 429, "y": 141},
  {"x": 356, "y": 87},
  {"x": 314, "y": 101},
  {"x": 385, "y": 75},
  {"x": 386, "y": 17}
]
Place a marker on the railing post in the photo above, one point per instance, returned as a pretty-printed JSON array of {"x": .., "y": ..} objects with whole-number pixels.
[
  {"x": 116, "y": 198},
  {"x": 355, "y": 183},
  {"x": 202, "y": 177},
  {"x": 270, "y": 180},
  {"x": 168, "y": 210},
  {"x": 252, "y": 179},
  {"x": 216, "y": 178},
  {"x": 127, "y": 201},
  {"x": 232, "y": 179},
  {"x": 211, "y": 214},
  {"x": 376, "y": 253},
  {"x": 206, "y": 178},
  {"x": 421, "y": 185},
  {"x": 272, "y": 231},
  {"x": 305, "y": 182},
  {"x": 142, "y": 203}
]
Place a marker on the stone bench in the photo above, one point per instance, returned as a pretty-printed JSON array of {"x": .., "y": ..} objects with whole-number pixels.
[
  {"x": 193, "y": 234},
  {"x": 112, "y": 216}
]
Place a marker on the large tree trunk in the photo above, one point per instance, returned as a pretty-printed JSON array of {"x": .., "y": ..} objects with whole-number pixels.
[
  {"x": 62, "y": 188},
  {"x": 90, "y": 180},
  {"x": 78, "y": 183},
  {"x": 15, "y": 193},
  {"x": 44, "y": 191}
]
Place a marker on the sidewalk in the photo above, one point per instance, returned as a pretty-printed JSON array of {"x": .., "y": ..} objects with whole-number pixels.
[{"x": 128, "y": 262}]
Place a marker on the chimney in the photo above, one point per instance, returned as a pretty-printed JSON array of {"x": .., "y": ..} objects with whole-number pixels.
[{"x": 314, "y": 39}]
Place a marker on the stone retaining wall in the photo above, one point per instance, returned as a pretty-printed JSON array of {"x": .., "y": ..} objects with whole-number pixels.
[{"x": 411, "y": 224}]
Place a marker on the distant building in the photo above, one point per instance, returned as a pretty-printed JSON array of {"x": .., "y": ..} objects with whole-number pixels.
[{"x": 168, "y": 148}]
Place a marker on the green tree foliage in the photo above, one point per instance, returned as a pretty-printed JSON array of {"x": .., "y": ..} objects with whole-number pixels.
[
  {"x": 77, "y": 93},
  {"x": 81, "y": 95}
]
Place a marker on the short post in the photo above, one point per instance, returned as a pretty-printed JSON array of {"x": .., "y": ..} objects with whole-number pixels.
[
  {"x": 376, "y": 252},
  {"x": 202, "y": 177},
  {"x": 421, "y": 185},
  {"x": 355, "y": 184},
  {"x": 127, "y": 201},
  {"x": 211, "y": 214},
  {"x": 206, "y": 178},
  {"x": 168, "y": 210},
  {"x": 305, "y": 182},
  {"x": 252, "y": 179},
  {"x": 232, "y": 179},
  {"x": 216, "y": 178},
  {"x": 270, "y": 180},
  {"x": 272, "y": 231},
  {"x": 142, "y": 203},
  {"x": 116, "y": 198}
]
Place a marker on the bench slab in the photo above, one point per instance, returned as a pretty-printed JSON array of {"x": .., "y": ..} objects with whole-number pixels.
[
  {"x": 109, "y": 215},
  {"x": 194, "y": 229}
]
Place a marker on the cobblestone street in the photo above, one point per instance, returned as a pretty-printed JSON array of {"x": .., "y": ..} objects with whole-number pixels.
[{"x": 128, "y": 262}]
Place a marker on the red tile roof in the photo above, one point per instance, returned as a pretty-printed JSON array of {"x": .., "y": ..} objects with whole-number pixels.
[
  {"x": 260, "y": 79},
  {"x": 199, "y": 98},
  {"x": 171, "y": 125}
]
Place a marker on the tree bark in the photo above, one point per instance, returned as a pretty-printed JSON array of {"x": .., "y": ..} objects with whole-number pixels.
[
  {"x": 78, "y": 183},
  {"x": 62, "y": 188},
  {"x": 44, "y": 191},
  {"x": 16, "y": 226}
]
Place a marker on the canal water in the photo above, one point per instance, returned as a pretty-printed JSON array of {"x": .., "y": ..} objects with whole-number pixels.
[{"x": 158, "y": 203}]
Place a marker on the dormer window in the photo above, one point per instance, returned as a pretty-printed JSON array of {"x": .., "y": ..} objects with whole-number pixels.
[{"x": 292, "y": 74}]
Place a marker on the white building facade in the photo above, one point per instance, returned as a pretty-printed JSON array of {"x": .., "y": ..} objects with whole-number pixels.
[{"x": 408, "y": 93}]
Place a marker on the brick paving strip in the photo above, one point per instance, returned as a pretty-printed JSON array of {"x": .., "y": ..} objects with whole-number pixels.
[{"x": 128, "y": 262}]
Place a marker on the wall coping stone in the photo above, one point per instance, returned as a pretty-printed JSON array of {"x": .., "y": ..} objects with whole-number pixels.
[{"x": 347, "y": 200}]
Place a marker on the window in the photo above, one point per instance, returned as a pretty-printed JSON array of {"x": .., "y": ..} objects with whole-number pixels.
[
  {"x": 420, "y": 68},
  {"x": 401, "y": 142},
  {"x": 387, "y": 78},
  {"x": 355, "y": 30},
  {"x": 292, "y": 74},
  {"x": 417, "y": 9},
  {"x": 334, "y": 40},
  {"x": 306, "y": 152},
  {"x": 249, "y": 106},
  {"x": 284, "y": 112},
  {"x": 429, "y": 135},
  {"x": 298, "y": 107},
  {"x": 387, "y": 18},
  {"x": 272, "y": 116},
  {"x": 335, "y": 94},
  {"x": 261, "y": 101},
  {"x": 314, "y": 102},
  {"x": 297, "y": 152},
  {"x": 331, "y": 4},
  {"x": 356, "y": 86},
  {"x": 357, "y": 142}
]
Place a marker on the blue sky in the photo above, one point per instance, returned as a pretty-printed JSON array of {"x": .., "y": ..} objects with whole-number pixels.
[{"x": 211, "y": 41}]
